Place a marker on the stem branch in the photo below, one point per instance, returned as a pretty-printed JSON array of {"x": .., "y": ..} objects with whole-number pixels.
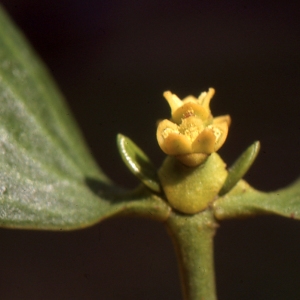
[{"x": 193, "y": 240}]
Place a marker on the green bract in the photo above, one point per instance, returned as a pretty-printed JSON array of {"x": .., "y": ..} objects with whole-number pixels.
[{"x": 138, "y": 162}]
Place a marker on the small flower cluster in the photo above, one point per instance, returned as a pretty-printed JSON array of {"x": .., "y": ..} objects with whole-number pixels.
[{"x": 193, "y": 133}]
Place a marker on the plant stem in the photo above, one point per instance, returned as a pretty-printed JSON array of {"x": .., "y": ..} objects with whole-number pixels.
[{"x": 193, "y": 240}]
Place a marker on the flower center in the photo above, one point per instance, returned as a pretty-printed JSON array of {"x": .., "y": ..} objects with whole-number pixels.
[{"x": 191, "y": 127}]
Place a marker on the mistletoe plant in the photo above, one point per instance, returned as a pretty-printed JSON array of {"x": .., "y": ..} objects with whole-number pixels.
[{"x": 48, "y": 181}]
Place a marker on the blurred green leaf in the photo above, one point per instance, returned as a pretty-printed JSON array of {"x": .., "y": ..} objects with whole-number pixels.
[
  {"x": 240, "y": 167},
  {"x": 245, "y": 201},
  {"x": 138, "y": 162},
  {"x": 48, "y": 179}
]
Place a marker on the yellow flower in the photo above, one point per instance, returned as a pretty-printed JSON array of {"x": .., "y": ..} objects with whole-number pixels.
[{"x": 192, "y": 134}]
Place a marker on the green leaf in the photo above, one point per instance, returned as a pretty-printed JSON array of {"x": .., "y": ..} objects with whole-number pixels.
[
  {"x": 240, "y": 167},
  {"x": 138, "y": 162},
  {"x": 245, "y": 201},
  {"x": 48, "y": 179}
]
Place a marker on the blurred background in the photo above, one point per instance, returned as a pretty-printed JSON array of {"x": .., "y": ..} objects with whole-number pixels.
[{"x": 113, "y": 60}]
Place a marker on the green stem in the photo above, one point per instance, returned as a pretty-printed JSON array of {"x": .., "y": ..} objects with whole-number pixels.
[{"x": 193, "y": 240}]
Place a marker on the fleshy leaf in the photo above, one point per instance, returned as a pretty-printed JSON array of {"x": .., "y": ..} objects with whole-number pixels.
[
  {"x": 240, "y": 167},
  {"x": 243, "y": 201},
  {"x": 138, "y": 162},
  {"x": 48, "y": 179}
]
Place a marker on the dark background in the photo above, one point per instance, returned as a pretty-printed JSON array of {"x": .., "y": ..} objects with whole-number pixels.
[{"x": 112, "y": 60}]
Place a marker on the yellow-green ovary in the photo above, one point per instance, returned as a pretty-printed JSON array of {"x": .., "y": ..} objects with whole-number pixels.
[{"x": 191, "y": 190}]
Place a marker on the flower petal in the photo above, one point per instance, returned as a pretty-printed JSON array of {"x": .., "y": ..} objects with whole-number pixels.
[
  {"x": 205, "y": 142},
  {"x": 222, "y": 119},
  {"x": 171, "y": 141},
  {"x": 204, "y": 99},
  {"x": 173, "y": 101},
  {"x": 190, "y": 109},
  {"x": 220, "y": 125},
  {"x": 190, "y": 98}
]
